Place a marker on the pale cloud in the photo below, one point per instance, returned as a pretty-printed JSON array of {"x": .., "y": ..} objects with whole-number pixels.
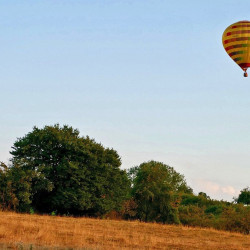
[
  {"x": 216, "y": 190},
  {"x": 229, "y": 190}
]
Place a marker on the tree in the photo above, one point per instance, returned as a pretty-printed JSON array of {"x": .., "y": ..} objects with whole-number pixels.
[
  {"x": 244, "y": 196},
  {"x": 67, "y": 173},
  {"x": 155, "y": 188},
  {"x": 8, "y": 200},
  {"x": 204, "y": 195}
]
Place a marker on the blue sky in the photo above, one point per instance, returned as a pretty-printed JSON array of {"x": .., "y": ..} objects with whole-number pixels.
[{"x": 149, "y": 78}]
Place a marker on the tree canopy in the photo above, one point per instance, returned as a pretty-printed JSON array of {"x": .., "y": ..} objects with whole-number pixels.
[
  {"x": 55, "y": 169},
  {"x": 244, "y": 196},
  {"x": 154, "y": 188}
]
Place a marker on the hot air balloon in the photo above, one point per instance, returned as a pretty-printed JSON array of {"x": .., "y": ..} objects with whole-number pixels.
[{"x": 236, "y": 42}]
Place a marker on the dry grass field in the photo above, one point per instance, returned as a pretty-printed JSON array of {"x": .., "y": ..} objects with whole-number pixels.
[{"x": 22, "y": 231}]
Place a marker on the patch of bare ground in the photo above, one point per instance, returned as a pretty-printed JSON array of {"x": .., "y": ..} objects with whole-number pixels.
[{"x": 23, "y": 231}]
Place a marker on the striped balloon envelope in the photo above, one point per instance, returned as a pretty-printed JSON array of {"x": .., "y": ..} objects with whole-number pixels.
[{"x": 236, "y": 42}]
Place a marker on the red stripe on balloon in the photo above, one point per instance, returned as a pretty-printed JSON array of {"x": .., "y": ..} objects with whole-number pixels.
[
  {"x": 240, "y": 26},
  {"x": 235, "y": 46},
  {"x": 238, "y": 32},
  {"x": 244, "y": 65},
  {"x": 236, "y": 39}
]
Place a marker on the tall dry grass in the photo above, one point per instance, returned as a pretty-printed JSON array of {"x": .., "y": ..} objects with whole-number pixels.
[{"x": 26, "y": 231}]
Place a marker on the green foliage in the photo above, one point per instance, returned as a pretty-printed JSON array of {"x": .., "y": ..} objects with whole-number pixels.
[
  {"x": 8, "y": 199},
  {"x": 200, "y": 200},
  {"x": 236, "y": 218},
  {"x": 53, "y": 213},
  {"x": 21, "y": 182},
  {"x": 174, "y": 180},
  {"x": 244, "y": 196},
  {"x": 154, "y": 186},
  {"x": 204, "y": 195},
  {"x": 32, "y": 211},
  {"x": 204, "y": 212},
  {"x": 54, "y": 169},
  {"x": 214, "y": 209}
]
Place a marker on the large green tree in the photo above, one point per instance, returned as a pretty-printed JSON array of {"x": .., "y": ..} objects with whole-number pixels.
[
  {"x": 67, "y": 173},
  {"x": 155, "y": 189}
]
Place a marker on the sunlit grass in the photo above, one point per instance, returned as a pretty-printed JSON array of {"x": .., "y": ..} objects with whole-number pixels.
[{"x": 23, "y": 231}]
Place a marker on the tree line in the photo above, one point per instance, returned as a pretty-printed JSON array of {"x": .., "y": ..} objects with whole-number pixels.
[{"x": 54, "y": 170}]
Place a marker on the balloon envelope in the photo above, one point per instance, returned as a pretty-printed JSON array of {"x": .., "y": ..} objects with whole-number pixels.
[{"x": 236, "y": 42}]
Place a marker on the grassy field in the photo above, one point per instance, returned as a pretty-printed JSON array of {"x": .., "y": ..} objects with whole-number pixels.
[{"x": 22, "y": 231}]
